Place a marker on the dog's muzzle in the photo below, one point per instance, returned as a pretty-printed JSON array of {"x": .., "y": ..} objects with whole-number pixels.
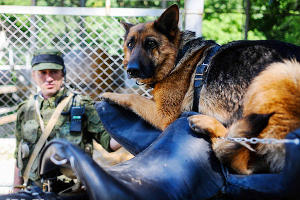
[
  {"x": 140, "y": 68},
  {"x": 132, "y": 73},
  {"x": 133, "y": 70}
]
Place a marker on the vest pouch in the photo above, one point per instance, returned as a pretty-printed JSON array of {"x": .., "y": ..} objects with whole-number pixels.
[
  {"x": 30, "y": 129},
  {"x": 63, "y": 132},
  {"x": 74, "y": 137},
  {"x": 24, "y": 150},
  {"x": 20, "y": 157}
]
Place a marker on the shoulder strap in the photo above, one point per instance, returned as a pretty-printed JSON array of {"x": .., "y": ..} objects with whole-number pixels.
[
  {"x": 38, "y": 112},
  {"x": 200, "y": 70},
  {"x": 45, "y": 135}
]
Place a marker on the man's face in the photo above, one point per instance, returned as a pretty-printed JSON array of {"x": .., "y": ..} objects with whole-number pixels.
[{"x": 49, "y": 80}]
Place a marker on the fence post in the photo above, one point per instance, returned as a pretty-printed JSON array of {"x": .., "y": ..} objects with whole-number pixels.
[
  {"x": 107, "y": 6},
  {"x": 193, "y": 15}
]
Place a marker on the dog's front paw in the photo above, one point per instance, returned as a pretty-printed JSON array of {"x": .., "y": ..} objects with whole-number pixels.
[
  {"x": 108, "y": 96},
  {"x": 195, "y": 123},
  {"x": 120, "y": 99},
  {"x": 207, "y": 125}
]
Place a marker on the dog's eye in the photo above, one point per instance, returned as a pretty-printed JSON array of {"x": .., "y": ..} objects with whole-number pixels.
[
  {"x": 130, "y": 44},
  {"x": 150, "y": 44}
]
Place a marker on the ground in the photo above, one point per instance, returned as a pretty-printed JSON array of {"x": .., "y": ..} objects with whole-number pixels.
[{"x": 7, "y": 163}]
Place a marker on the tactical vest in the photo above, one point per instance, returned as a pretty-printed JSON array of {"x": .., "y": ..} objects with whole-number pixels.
[{"x": 32, "y": 131}]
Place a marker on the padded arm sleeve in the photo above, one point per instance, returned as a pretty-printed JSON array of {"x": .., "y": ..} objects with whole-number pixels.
[{"x": 126, "y": 127}]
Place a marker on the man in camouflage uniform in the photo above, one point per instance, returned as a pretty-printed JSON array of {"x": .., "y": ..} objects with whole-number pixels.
[{"x": 48, "y": 71}]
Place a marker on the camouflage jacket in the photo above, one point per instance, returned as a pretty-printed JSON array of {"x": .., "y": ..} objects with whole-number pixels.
[{"x": 28, "y": 130}]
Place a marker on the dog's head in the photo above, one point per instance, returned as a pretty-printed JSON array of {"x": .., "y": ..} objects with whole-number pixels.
[{"x": 151, "y": 48}]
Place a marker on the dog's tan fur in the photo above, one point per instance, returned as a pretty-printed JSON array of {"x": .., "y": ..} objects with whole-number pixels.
[
  {"x": 276, "y": 90},
  {"x": 170, "y": 88},
  {"x": 168, "y": 96}
]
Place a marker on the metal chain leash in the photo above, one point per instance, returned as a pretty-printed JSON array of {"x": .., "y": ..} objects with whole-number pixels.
[{"x": 263, "y": 141}]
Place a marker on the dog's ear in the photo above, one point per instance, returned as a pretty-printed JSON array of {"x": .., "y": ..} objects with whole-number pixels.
[
  {"x": 126, "y": 26},
  {"x": 167, "y": 23},
  {"x": 258, "y": 122},
  {"x": 250, "y": 125}
]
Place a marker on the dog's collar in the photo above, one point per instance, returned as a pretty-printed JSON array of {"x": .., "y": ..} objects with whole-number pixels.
[{"x": 200, "y": 71}]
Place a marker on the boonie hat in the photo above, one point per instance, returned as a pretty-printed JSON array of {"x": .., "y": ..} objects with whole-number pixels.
[{"x": 47, "y": 59}]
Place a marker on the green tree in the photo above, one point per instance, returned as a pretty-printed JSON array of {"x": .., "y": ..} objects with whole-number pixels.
[
  {"x": 16, "y": 2},
  {"x": 277, "y": 19},
  {"x": 224, "y": 21}
]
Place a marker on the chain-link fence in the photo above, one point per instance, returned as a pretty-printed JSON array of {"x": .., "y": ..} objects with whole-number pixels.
[{"x": 89, "y": 38}]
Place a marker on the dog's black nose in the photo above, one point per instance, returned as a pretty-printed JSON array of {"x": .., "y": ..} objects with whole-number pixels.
[
  {"x": 133, "y": 69},
  {"x": 133, "y": 73}
]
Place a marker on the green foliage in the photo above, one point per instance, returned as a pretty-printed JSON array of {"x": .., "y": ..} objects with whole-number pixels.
[
  {"x": 277, "y": 19},
  {"x": 224, "y": 28},
  {"x": 272, "y": 19},
  {"x": 62, "y": 3},
  {"x": 93, "y": 3},
  {"x": 142, "y": 4},
  {"x": 223, "y": 19},
  {"x": 16, "y": 2},
  {"x": 223, "y": 6},
  {"x": 14, "y": 77}
]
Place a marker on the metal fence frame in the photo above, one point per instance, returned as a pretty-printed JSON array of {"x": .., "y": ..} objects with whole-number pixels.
[{"x": 81, "y": 12}]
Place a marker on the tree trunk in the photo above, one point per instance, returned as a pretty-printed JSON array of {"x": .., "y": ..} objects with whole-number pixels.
[
  {"x": 247, "y": 13},
  {"x": 82, "y": 3},
  {"x": 164, "y": 4},
  {"x": 33, "y": 2}
]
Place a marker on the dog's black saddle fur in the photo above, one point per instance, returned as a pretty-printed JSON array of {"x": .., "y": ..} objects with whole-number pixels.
[{"x": 235, "y": 65}]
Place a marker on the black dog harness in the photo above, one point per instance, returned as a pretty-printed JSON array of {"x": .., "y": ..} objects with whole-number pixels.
[{"x": 200, "y": 71}]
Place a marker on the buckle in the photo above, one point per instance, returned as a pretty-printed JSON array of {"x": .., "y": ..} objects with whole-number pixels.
[
  {"x": 46, "y": 186},
  {"x": 22, "y": 187}
]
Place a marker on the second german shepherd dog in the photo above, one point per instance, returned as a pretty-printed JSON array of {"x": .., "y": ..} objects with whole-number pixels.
[{"x": 250, "y": 88}]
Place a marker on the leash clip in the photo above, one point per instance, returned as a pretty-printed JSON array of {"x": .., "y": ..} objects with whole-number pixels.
[{"x": 58, "y": 162}]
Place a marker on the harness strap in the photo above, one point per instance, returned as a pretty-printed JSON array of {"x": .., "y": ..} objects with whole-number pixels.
[
  {"x": 38, "y": 112},
  {"x": 45, "y": 134},
  {"x": 200, "y": 71}
]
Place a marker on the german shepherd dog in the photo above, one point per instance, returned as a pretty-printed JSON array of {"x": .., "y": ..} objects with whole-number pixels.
[{"x": 250, "y": 88}]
